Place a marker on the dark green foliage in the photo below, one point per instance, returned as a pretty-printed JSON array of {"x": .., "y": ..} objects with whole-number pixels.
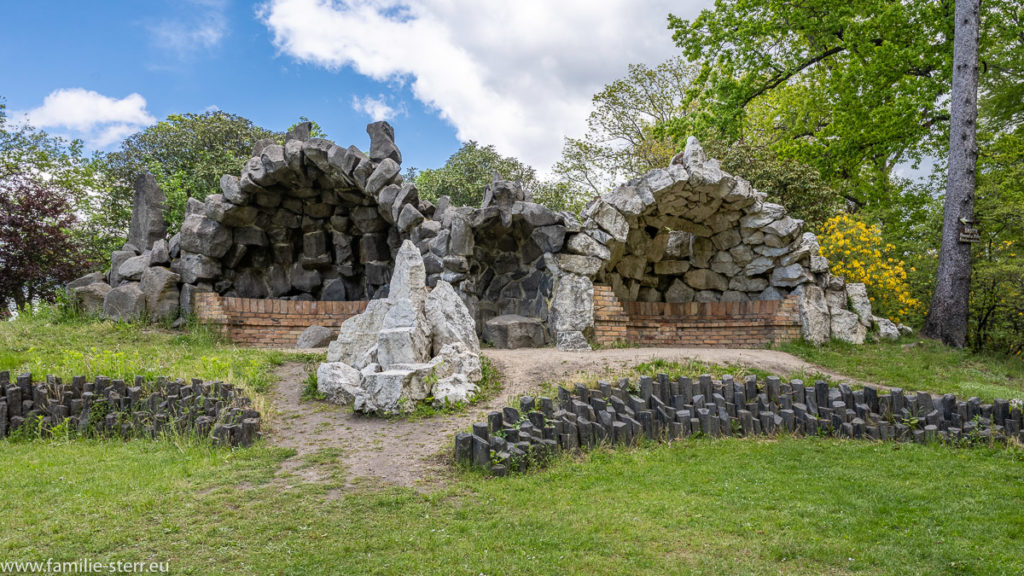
[
  {"x": 850, "y": 88},
  {"x": 187, "y": 153},
  {"x": 467, "y": 172}
]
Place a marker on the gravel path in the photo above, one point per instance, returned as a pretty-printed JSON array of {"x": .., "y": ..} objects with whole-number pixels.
[{"x": 411, "y": 453}]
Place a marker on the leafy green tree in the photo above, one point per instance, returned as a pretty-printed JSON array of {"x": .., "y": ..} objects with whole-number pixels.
[
  {"x": 31, "y": 157},
  {"x": 25, "y": 150},
  {"x": 187, "y": 153},
  {"x": 625, "y": 138},
  {"x": 468, "y": 171},
  {"x": 997, "y": 279},
  {"x": 38, "y": 251},
  {"x": 860, "y": 82},
  {"x": 1002, "y": 65},
  {"x": 620, "y": 142}
]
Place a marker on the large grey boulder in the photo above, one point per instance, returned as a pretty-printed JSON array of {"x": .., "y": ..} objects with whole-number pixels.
[
  {"x": 147, "y": 224},
  {"x": 789, "y": 276},
  {"x": 196, "y": 267},
  {"x": 231, "y": 188},
  {"x": 160, "y": 255},
  {"x": 572, "y": 307},
  {"x": 679, "y": 292},
  {"x": 846, "y": 327},
  {"x": 454, "y": 389},
  {"x": 449, "y": 319},
  {"x": 358, "y": 334},
  {"x": 580, "y": 265},
  {"x": 338, "y": 382},
  {"x": 549, "y": 238},
  {"x": 132, "y": 268},
  {"x": 887, "y": 329},
  {"x": 187, "y": 298},
  {"x": 457, "y": 358},
  {"x": 513, "y": 331},
  {"x": 126, "y": 303},
  {"x": 385, "y": 173},
  {"x": 815, "y": 321},
  {"x": 610, "y": 220},
  {"x": 572, "y": 341},
  {"x": 381, "y": 392},
  {"x": 382, "y": 142},
  {"x": 201, "y": 235},
  {"x": 314, "y": 337},
  {"x": 857, "y": 294},
  {"x": 404, "y": 337},
  {"x": 704, "y": 279},
  {"x": 160, "y": 286},
  {"x": 409, "y": 280},
  {"x": 117, "y": 258},
  {"x": 90, "y": 278},
  {"x": 89, "y": 299},
  {"x": 585, "y": 245},
  {"x": 220, "y": 210}
]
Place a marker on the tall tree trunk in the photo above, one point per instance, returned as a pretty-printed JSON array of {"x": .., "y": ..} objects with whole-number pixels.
[{"x": 947, "y": 317}]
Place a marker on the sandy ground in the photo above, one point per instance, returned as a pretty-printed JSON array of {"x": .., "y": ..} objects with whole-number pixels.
[{"x": 412, "y": 452}]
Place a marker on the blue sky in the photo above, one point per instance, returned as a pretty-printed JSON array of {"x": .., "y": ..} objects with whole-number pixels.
[{"x": 518, "y": 75}]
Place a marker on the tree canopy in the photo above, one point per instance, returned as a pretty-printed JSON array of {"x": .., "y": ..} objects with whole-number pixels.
[
  {"x": 187, "y": 153},
  {"x": 858, "y": 83},
  {"x": 468, "y": 171}
]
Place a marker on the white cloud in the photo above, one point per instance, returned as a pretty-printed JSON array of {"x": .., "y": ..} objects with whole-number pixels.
[
  {"x": 202, "y": 28},
  {"x": 519, "y": 75},
  {"x": 376, "y": 108},
  {"x": 99, "y": 120}
]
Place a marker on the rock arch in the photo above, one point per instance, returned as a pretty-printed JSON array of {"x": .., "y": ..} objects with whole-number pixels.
[
  {"x": 303, "y": 220},
  {"x": 691, "y": 232},
  {"x": 310, "y": 220}
]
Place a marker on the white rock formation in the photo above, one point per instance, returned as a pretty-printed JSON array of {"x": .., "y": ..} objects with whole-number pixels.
[{"x": 404, "y": 348}]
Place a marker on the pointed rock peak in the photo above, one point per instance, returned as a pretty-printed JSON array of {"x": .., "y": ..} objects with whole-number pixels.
[
  {"x": 694, "y": 152},
  {"x": 410, "y": 277},
  {"x": 300, "y": 132},
  {"x": 382, "y": 142}
]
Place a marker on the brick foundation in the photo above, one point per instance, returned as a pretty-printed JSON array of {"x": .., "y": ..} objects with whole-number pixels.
[
  {"x": 714, "y": 324},
  {"x": 270, "y": 323}
]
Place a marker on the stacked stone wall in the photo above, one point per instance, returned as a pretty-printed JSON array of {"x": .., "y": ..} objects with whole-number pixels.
[
  {"x": 311, "y": 221},
  {"x": 108, "y": 407},
  {"x": 625, "y": 413}
]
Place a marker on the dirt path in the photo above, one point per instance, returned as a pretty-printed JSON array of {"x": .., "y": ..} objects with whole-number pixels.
[{"x": 410, "y": 453}]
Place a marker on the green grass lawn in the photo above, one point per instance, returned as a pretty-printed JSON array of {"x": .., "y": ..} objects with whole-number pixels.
[
  {"x": 921, "y": 364},
  {"x": 42, "y": 344},
  {"x": 790, "y": 506},
  {"x": 794, "y": 506}
]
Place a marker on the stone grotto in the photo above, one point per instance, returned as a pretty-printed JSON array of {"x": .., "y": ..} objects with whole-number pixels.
[{"x": 308, "y": 220}]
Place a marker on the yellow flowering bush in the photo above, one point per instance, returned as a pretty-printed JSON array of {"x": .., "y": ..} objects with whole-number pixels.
[{"x": 857, "y": 252}]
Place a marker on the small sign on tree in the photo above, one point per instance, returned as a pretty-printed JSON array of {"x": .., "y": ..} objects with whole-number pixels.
[{"x": 968, "y": 233}]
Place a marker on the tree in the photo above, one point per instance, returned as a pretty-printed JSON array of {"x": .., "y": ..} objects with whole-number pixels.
[
  {"x": 626, "y": 138},
  {"x": 620, "y": 142},
  {"x": 187, "y": 153},
  {"x": 1002, "y": 50},
  {"x": 30, "y": 153},
  {"x": 468, "y": 171},
  {"x": 38, "y": 252},
  {"x": 859, "y": 79},
  {"x": 947, "y": 316}
]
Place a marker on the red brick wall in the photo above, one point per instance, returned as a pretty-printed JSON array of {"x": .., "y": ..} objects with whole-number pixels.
[
  {"x": 270, "y": 323},
  {"x": 716, "y": 324}
]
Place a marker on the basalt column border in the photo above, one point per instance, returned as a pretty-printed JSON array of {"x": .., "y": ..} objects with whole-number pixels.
[
  {"x": 717, "y": 324},
  {"x": 269, "y": 323}
]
